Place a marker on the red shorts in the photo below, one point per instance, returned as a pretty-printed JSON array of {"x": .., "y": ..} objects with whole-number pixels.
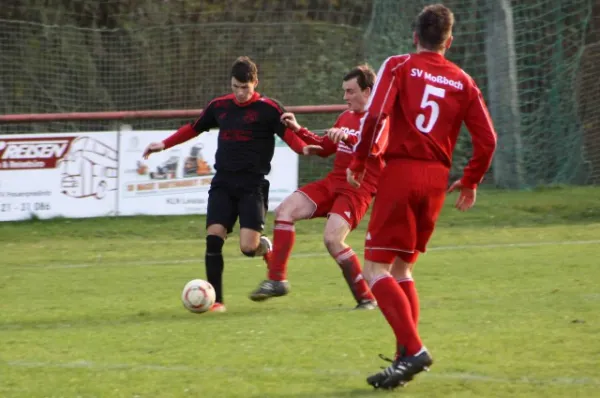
[
  {"x": 334, "y": 197},
  {"x": 409, "y": 200}
]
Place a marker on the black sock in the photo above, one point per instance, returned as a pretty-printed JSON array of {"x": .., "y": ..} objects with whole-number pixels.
[{"x": 213, "y": 260}]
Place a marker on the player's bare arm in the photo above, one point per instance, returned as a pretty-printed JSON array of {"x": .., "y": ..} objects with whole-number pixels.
[
  {"x": 182, "y": 135},
  {"x": 355, "y": 179},
  {"x": 337, "y": 135},
  {"x": 466, "y": 197},
  {"x": 205, "y": 122},
  {"x": 314, "y": 144},
  {"x": 289, "y": 120},
  {"x": 484, "y": 140},
  {"x": 153, "y": 148}
]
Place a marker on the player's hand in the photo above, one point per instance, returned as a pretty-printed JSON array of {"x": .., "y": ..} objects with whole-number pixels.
[
  {"x": 355, "y": 178},
  {"x": 336, "y": 135},
  {"x": 152, "y": 148},
  {"x": 289, "y": 120},
  {"x": 311, "y": 150},
  {"x": 466, "y": 197}
]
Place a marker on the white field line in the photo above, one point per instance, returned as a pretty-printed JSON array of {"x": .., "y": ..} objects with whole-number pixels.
[
  {"x": 323, "y": 253},
  {"x": 96, "y": 366}
]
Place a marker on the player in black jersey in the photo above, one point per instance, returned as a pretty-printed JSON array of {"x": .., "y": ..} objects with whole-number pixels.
[{"x": 248, "y": 123}]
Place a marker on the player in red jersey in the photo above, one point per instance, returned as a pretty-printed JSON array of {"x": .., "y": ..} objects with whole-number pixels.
[
  {"x": 331, "y": 197},
  {"x": 426, "y": 98}
]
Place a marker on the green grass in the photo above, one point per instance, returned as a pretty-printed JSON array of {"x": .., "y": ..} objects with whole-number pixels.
[{"x": 510, "y": 296}]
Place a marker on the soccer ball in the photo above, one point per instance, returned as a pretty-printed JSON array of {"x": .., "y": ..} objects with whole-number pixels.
[{"x": 198, "y": 295}]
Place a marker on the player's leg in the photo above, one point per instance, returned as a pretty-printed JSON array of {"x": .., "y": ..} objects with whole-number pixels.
[
  {"x": 410, "y": 220},
  {"x": 250, "y": 243},
  {"x": 295, "y": 207},
  {"x": 344, "y": 216},
  {"x": 392, "y": 300},
  {"x": 221, "y": 216},
  {"x": 252, "y": 208},
  {"x": 406, "y": 366},
  {"x": 411, "y": 356},
  {"x": 402, "y": 272},
  {"x": 302, "y": 204},
  {"x": 392, "y": 233},
  {"x": 428, "y": 212}
]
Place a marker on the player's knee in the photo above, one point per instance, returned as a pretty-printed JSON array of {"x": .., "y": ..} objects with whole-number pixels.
[
  {"x": 249, "y": 253},
  {"x": 378, "y": 263},
  {"x": 248, "y": 250},
  {"x": 333, "y": 243},
  {"x": 369, "y": 272},
  {"x": 403, "y": 265},
  {"x": 278, "y": 211},
  {"x": 214, "y": 244},
  {"x": 401, "y": 271},
  {"x": 217, "y": 230},
  {"x": 372, "y": 271},
  {"x": 284, "y": 212},
  {"x": 295, "y": 207}
]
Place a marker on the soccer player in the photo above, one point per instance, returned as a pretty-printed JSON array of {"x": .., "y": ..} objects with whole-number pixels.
[
  {"x": 331, "y": 197},
  {"x": 426, "y": 98},
  {"x": 248, "y": 123}
]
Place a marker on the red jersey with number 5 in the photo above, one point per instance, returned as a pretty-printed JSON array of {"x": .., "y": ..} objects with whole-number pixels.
[{"x": 427, "y": 98}]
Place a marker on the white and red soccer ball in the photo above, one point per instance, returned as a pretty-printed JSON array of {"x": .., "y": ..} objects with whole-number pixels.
[{"x": 198, "y": 296}]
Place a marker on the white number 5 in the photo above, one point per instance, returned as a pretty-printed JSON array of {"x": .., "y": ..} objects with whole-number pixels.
[{"x": 428, "y": 103}]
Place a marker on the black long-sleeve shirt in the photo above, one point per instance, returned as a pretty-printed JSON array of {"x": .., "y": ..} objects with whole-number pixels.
[{"x": 247, "y": 132}]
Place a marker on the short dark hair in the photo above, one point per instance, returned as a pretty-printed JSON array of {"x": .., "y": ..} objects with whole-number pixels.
[
  {"x": 244, "y": 70},
  {"x": 433, "y": 26},
  {"x": 364, "y": 74}
]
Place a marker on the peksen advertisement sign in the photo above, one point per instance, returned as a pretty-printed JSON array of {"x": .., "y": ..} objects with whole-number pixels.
[
  {"x": 95, "y": 174},
  {"x": 58, "y": 175}
]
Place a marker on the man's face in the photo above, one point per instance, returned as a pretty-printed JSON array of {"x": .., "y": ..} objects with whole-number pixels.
[
  {"x": 242, "y": 91},
  {"x": 355, "y": 97}
]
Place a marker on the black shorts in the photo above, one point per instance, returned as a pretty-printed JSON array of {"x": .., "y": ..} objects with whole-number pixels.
[{"x": 238, "y": 195}]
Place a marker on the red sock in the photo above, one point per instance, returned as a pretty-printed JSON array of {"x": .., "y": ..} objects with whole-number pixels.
[
  {"x": 350, "y": 265},
  {"x": 284, "y": 236},
  {"x": 396, "y": 308},
  {"x": 408, "y": 287}
]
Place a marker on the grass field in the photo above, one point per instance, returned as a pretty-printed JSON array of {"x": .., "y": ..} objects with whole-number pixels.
[{"x": 510, "y": 296}]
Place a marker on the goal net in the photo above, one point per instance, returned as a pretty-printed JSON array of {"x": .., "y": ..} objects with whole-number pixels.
[{"x": 534, "y": 60}]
